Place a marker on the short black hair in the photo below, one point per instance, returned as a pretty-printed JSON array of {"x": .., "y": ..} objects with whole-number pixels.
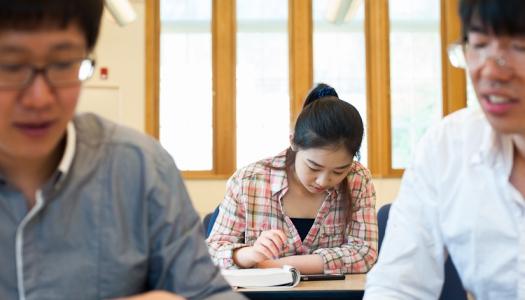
[
  {"x": 35, "y": 14},
  {"x": 502, "y": 17}
]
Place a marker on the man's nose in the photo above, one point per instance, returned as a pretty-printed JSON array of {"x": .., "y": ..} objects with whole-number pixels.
[{"x": 38, "y": 93}]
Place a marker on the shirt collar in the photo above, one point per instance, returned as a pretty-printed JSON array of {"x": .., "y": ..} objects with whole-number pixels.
[
  {"x": 278, "y": 175},
  {"x": 69, "y": 154},
  {"x": 69, "y": 151}
]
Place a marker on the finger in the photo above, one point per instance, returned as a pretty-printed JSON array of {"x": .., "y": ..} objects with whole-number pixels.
[
  {"x": 277, "y": 243},
  {"x": 277, "y": 234},
  {"x": 269, "y": 244},
  {"x": 261, "y": 250},
  {"x": 273, "y": 238},
  {"x": 279, "y": 239},
  {"x": 281, "y": 236}
]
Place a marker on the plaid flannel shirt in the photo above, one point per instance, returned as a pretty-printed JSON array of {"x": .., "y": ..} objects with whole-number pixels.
[{"x": 252, "y": 204}]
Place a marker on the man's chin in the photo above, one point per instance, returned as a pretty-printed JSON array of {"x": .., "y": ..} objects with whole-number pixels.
[
  {"x": 37, "y": 150},
  {"x": 504, "y": 126}
]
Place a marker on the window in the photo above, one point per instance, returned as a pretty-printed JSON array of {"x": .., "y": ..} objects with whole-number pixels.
[
  {"x": 415, "y": 74},
  {"x": 339, "y": 55},
  {"x": 263, "y": 101},
  {"x": 226, "y": 78},
  {"x": 185, "y": 112}
]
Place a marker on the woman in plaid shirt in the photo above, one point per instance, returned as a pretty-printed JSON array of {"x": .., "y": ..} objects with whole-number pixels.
[{"x": 311, "y": 206}]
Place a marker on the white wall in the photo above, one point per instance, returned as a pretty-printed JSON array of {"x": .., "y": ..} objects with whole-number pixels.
[
  {"x": 122, "y": 51},
  {"x": 121, "y": 98}
]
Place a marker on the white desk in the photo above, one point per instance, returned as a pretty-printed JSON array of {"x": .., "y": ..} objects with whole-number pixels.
[{"x": 351, "y": 288}]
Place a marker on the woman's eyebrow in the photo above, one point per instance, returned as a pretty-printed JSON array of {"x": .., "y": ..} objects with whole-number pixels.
[
  {"x": 344, "y": 166},
  {"x": 321, "y": 166}
]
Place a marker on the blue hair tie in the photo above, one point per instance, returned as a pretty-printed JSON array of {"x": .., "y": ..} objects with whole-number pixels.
[{"x": 326, "y": 91}]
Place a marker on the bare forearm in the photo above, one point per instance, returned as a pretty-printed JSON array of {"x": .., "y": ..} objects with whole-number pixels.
[
  {"x": 242, "y": 258},
  {"x": 306, "y": 264}
]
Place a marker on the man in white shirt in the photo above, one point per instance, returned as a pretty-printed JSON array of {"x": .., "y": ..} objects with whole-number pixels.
[{"x": 463, "y": 194}]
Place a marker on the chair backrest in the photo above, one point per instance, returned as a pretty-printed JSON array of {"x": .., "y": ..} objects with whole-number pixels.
[
  {"x": 209, "y": 220},
  {"x": 382, "y": 219},
  {"x": 452, "y": 287},
  {"x": 206, "y": 222}
]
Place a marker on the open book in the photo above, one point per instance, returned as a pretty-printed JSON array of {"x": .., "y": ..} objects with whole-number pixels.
[{"x": 286, "y": 276}]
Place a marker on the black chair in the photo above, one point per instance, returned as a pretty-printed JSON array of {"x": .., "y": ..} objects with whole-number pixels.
[
  {"x": 452, "y": 287},
  {"x": 209, "y": 220}
]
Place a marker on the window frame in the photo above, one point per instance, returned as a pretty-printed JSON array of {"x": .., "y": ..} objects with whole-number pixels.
[{"x": 300, "y": 33}]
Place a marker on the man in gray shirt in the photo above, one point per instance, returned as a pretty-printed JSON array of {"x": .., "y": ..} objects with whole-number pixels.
[{"x": 88, "y": 209}]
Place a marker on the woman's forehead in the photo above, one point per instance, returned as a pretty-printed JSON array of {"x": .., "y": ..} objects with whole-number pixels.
[{"x": 328, "y": 157}]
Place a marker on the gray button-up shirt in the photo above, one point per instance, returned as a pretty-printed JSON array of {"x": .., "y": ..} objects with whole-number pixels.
[{"x": 114, "y": 220}]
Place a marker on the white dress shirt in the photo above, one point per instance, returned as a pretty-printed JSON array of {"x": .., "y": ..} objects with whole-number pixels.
[{"x": 455, "y": 198}]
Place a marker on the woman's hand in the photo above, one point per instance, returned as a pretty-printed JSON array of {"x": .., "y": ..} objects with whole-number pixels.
[
  {"x": 305, "y": 263},
  {"x": 268, "y": 246}
]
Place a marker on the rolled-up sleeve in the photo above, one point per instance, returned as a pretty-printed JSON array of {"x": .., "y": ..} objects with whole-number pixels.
[
  {"x": 359, "y": 253},
  {"x": 228, "y": 231}
]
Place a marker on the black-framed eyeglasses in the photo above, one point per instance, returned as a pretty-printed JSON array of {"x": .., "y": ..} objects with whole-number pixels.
[{"x": 57, "y": 74}]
